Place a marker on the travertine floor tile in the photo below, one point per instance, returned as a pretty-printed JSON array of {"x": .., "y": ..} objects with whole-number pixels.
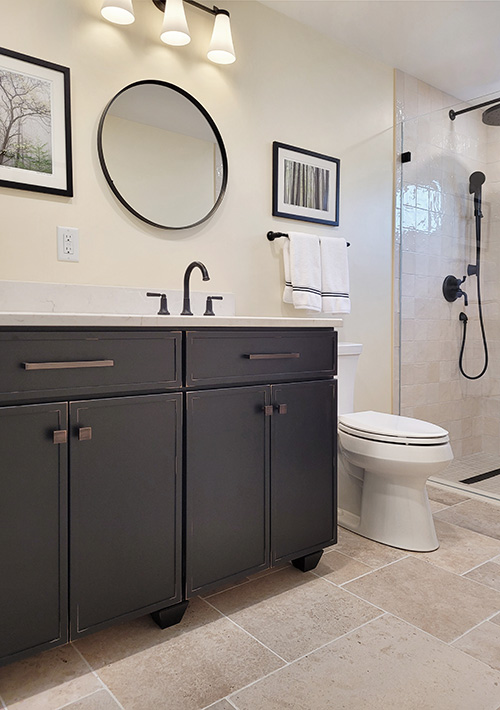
[
  {"x": 293, "y": 619},
  {"x": 367, "y": 551},
  {"x": 385, "y": 665},
  {"x": 47, "y": 681},
  {"x": 475, "y": 515},
  {"x": 340, "y": 568},
  {"x": 459, "y": 549},
  {"x": 118, "y": 642},
  {"x": 197, "y": 662},
  {"x": 435, "y": 506},
  {"x": 431, "y": 598},
  {"x": 496, "y": 619},
  {"x": 221, "y": 705},
  {"x": 101, "y": 700},
  {"x": 446, "y": 496},
  {"x": 483, "y": 643},
  {"x": 488, "y": 574}
]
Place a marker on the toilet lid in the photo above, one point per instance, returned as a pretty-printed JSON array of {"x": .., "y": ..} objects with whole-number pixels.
[{"x": 379, "y": 426}]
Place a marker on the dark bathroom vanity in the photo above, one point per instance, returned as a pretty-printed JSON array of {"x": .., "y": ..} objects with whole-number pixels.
[{"x": 142, "y": 466}]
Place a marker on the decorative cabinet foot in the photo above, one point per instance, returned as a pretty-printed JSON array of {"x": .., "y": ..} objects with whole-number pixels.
[
  {"x": 170, "y": 616},
  {"x": 308, "y": 562}
]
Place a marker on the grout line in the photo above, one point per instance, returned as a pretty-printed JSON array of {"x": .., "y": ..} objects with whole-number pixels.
[
  {"x": 417, "y": 628},
  {"x": 491, "y": 559},
  {"x": 375, "y": 569},
  {"x": 296, "y": 660},
  {"x": 252, "y": 578},
  {"x": 83, "y": 697},
  {"x": 104, "y": 686},
  {"x": 337, "y": 638},
  {"x": 212, "y": 705},
  {"x": 4, "y": 706},
  {"x": 488, "y": 618},
  {"x": 248, "y": 633}
]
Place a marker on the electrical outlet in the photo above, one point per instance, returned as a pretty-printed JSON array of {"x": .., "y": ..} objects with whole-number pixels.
[{"x": 68, "y": 246}]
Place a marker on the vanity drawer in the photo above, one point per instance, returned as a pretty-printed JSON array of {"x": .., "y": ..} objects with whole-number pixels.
[
  {"x": 214, "y": 358},
  {"x": 40, "y": 365}
]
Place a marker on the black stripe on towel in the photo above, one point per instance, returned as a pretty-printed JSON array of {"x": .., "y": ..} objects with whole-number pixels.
[{"x": 309, "y": 289}]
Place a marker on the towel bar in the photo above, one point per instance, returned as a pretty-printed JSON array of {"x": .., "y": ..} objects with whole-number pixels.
[{"x": 276, "y": 235}]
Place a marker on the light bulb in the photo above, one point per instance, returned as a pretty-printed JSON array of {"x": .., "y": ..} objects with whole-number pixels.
[
  {"x": 175, "y": 30},
  {"x": 221, "y": 50},
  {"x": 120, "y": 12}
]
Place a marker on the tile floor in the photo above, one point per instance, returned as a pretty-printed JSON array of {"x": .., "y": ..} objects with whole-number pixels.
[{"x": 372, "y": 627}]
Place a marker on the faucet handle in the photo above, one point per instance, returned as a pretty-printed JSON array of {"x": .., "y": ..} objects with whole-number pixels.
[
  {"x": 163, "y": 303},
  {"x": 209, "y": 311}
]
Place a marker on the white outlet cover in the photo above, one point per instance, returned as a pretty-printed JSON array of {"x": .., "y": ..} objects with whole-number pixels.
[{"x": 68, "y": 244}]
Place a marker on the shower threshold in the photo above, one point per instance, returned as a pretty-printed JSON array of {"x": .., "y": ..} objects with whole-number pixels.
[{"x": 476, "y": 474}]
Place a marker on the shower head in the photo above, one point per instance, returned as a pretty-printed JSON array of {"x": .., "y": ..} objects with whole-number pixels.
[
  {"x": 492, "y": 116},
  {"x": 475, "y": 182}
]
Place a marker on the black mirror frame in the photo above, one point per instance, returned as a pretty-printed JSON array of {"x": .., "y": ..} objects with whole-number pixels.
[{"x": 208, "y": 118}]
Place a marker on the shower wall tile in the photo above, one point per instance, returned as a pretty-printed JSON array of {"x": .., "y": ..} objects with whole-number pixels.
[{"x": 436, "y": 237}]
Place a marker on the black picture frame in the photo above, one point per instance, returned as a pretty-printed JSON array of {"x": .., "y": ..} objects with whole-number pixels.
[
  {"x": 35, "y": 137},
  {"x": 306, "y": 185}
]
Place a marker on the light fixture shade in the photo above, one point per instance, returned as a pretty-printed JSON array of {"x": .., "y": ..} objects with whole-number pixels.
[
  {"x": 221, "y": 50},
  {"x": 120, "y": 12},
  {"x": 175, "y": 30}
]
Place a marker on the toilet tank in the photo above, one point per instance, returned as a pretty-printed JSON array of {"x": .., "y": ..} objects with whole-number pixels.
[{"x": 348, "y": 355}]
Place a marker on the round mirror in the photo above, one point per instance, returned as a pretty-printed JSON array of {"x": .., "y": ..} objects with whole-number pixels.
[{"x": 162, "y": 155}]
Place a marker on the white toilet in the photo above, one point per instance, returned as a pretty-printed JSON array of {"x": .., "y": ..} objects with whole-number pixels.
[{"x": 384, "y": 463}]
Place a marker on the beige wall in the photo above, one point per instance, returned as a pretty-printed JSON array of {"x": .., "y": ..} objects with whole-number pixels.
[{"x": 289, "y": 84}]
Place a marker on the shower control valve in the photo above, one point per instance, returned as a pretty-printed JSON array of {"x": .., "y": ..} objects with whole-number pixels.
[{"x": 452, "y": 290}]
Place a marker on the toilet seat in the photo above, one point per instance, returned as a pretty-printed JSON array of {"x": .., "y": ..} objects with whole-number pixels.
[{"x": 393, "y": 429}]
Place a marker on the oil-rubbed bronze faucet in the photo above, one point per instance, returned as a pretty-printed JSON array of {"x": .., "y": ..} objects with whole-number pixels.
[{"x": 186, "y": 309}]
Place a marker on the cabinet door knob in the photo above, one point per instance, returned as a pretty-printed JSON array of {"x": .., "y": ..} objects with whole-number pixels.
[
  {"x": 60, "y": 436},
  {"x": 282, "y": 408},
  {"x": 85, "y": 433},
  {"x": 268, "y": 410}
]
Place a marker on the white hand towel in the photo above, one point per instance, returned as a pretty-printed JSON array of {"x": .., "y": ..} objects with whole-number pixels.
[
  {"x": 302, "y": 262},
  {"x": 334, "y": 276}
]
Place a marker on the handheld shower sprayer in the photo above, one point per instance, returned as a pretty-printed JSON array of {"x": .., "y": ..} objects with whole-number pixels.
[
  {"x": 451, "y": 285},
  {"x": 476, "y": 180}
]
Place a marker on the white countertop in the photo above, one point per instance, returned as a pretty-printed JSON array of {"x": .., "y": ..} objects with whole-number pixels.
[{"x": 154, "y": 321}]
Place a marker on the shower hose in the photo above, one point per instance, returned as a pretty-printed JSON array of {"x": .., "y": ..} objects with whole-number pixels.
[{"x": 464, "y": 320}]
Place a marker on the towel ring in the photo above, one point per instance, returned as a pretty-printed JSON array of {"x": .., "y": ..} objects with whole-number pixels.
[{"x": 276, "y": 235}]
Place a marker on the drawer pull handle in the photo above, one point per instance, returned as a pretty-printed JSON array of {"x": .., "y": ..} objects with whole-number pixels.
[
  {"x": 85, "y": 433},
  {"x": 268, "y": 410},
  {"x": 60, "y": 436},
  {"x": 73, "y": 364},
  {"x": 272, "y": 356},
  {"x": 282, "y": 408}
]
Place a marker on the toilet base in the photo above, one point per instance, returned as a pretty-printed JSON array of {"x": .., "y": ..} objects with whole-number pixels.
[{"x": 397, "y": 515}]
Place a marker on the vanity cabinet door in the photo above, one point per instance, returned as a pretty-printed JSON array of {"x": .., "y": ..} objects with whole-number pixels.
[
  {"x": 33, "y": 513},
  {"x": 303, "y": 460},
  {"x": 125, "y": 509},
  {"x": 227, "y": 485}
]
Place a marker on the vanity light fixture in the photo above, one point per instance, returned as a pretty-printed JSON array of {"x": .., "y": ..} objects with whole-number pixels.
[
  {"x": 175, "y": 29},
  {"x": 121, "y": 12}
]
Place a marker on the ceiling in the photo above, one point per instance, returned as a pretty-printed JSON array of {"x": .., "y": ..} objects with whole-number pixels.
[{"x": 453, "y": 45}]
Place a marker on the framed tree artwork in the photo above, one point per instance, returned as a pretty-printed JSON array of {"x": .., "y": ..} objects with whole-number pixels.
[
  {"x": 305, "y": 185},
  {"x": 35, "y": 125}
]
